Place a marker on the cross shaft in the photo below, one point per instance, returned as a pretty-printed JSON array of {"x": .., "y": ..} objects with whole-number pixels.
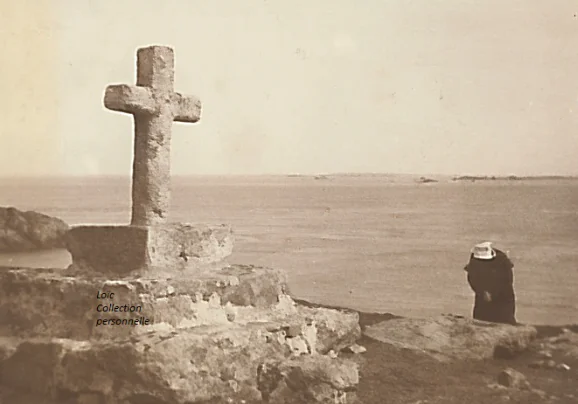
[{"x": 154, "y": 105}]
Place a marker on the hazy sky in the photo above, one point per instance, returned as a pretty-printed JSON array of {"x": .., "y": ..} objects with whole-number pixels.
[{"x": 303, "y": 86}]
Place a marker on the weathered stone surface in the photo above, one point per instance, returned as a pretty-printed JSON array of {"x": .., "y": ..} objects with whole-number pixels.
[
  {"x": 453, "y": 337},
  {"x": 336, "y": 329},
  {"x": 308, "y": 329},
  {"x": 220, "y": 353},
  {"x": 149, "y": 251},
  {"x": 513, "y": 379},
  {"x": 197, "y": 365},
  {"x": 44, "y": 302},
  {"x": 26, "y": 231},
  {"x": 155, "y": 106},
  {"x": 7, "y": 348},
  {"x": 565, "y": 343},
  {"x": 355, "y": 349},
  {"x": 308, "y": 379}
]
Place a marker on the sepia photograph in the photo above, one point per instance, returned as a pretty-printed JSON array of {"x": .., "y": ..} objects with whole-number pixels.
[{"x": 289, "y": 202}]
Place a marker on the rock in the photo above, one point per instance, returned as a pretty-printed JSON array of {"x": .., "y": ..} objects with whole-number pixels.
[
  {"x": 194, "y": 351},
  {"x": 321, "y": 177},
  {"x": 334, "y": 331},
  {"x": 452, "y": 337},
  {"x": 550, "y": 364},
  {"x": 425, "y": 180},
  {"x": 256, "y": 296},
  {"x": 25, "y": 295},
  {"x": 497, "y": 386},
  {"x": 196, "y": 365},
  {"x": 311, "y": 379},
  {"x": 565, "y": 343},
  {"x": 26, "y": 231},
  {"x": 513, "y": 379},
  {"x": 7, "y": 348},
  {"x": 544, "y": 364},
  {"x": 356, "y": 349},
  {"x": 545, "y": 354}
]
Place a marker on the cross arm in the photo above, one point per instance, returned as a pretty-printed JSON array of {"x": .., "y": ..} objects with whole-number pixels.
[
  {"x": 129, "y": 99},
  {"x": 186, "y": 108}
]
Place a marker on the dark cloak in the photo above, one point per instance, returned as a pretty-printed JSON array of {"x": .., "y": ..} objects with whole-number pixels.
[{"x": 495, "y": 276}]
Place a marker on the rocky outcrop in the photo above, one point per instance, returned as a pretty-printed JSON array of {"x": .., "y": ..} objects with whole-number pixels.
[
  {"x": 308, "y": 379},
  {"x": 453, "y": 337},
  {"x": 26, "y": 231},
  {"x": 512, "y": 378},
  {"x": 154, "y": 314},
  {"x": 209, "y": 298},
  {"x": 213, "y": 364},
  {"x": 563, "y": 346},
  {"x": 210, "y": 336}
]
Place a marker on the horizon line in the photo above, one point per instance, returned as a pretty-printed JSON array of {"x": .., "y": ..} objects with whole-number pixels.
[{"x": 295, "y": 174}]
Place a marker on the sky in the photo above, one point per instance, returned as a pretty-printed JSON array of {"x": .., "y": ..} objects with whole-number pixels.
[{"x": 302, "y": 86}]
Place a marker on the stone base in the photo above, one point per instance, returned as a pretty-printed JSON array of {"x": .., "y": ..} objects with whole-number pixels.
[
  {"x": 271, "y": 361},
  {"x": 154, "y": 251},
  {"x": 44, "y": 302}
]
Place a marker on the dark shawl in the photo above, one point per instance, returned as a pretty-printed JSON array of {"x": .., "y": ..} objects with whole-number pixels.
[{"x": 495, "y": 276}]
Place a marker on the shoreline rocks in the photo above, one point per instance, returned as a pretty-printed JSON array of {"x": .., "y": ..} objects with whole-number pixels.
[
  {"x": 22, "y": 231},
  {"x": 448, "y": 337}
]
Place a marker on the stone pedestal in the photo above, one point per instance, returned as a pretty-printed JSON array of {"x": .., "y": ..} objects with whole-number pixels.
[
  {"x": 148, "y": 251},
  {"x": 41, "y": 302},
  {"x": 216, "y": 335}
]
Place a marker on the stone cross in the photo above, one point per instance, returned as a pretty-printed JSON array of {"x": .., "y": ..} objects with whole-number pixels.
[{"x": 154, "y": 106}]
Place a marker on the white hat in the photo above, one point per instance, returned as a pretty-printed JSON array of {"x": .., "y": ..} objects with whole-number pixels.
[{"x": 484, "y": 251}]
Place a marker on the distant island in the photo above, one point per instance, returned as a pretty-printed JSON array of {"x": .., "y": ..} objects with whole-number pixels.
[
  {"x": 432, "y": 178},
  {"x": 513, "y": 178},
  {"x": 425, "y": 180}
]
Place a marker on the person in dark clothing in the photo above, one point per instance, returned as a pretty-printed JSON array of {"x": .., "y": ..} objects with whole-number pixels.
[{"x": 491, "y": 277}]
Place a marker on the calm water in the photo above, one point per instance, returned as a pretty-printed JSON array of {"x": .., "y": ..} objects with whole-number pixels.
[{"x": 357, "y": 242}]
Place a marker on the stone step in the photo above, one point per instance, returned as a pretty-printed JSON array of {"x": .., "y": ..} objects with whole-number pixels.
[
  {"x": 219, "y": 363},
  {"x": 48, "y": 303},
  {"x": 43, "y": 303}
]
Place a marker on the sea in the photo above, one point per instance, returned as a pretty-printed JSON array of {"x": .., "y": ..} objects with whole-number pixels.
[{"x": 371, "y": 243}]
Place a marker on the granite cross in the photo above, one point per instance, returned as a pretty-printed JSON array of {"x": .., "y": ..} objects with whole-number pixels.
[{"x": 154, "y": 106}]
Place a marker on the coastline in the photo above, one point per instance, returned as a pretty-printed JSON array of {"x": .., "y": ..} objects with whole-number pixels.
[
  {"x": 369, "y": 318},
  {"x": 401, "y": 376}
]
